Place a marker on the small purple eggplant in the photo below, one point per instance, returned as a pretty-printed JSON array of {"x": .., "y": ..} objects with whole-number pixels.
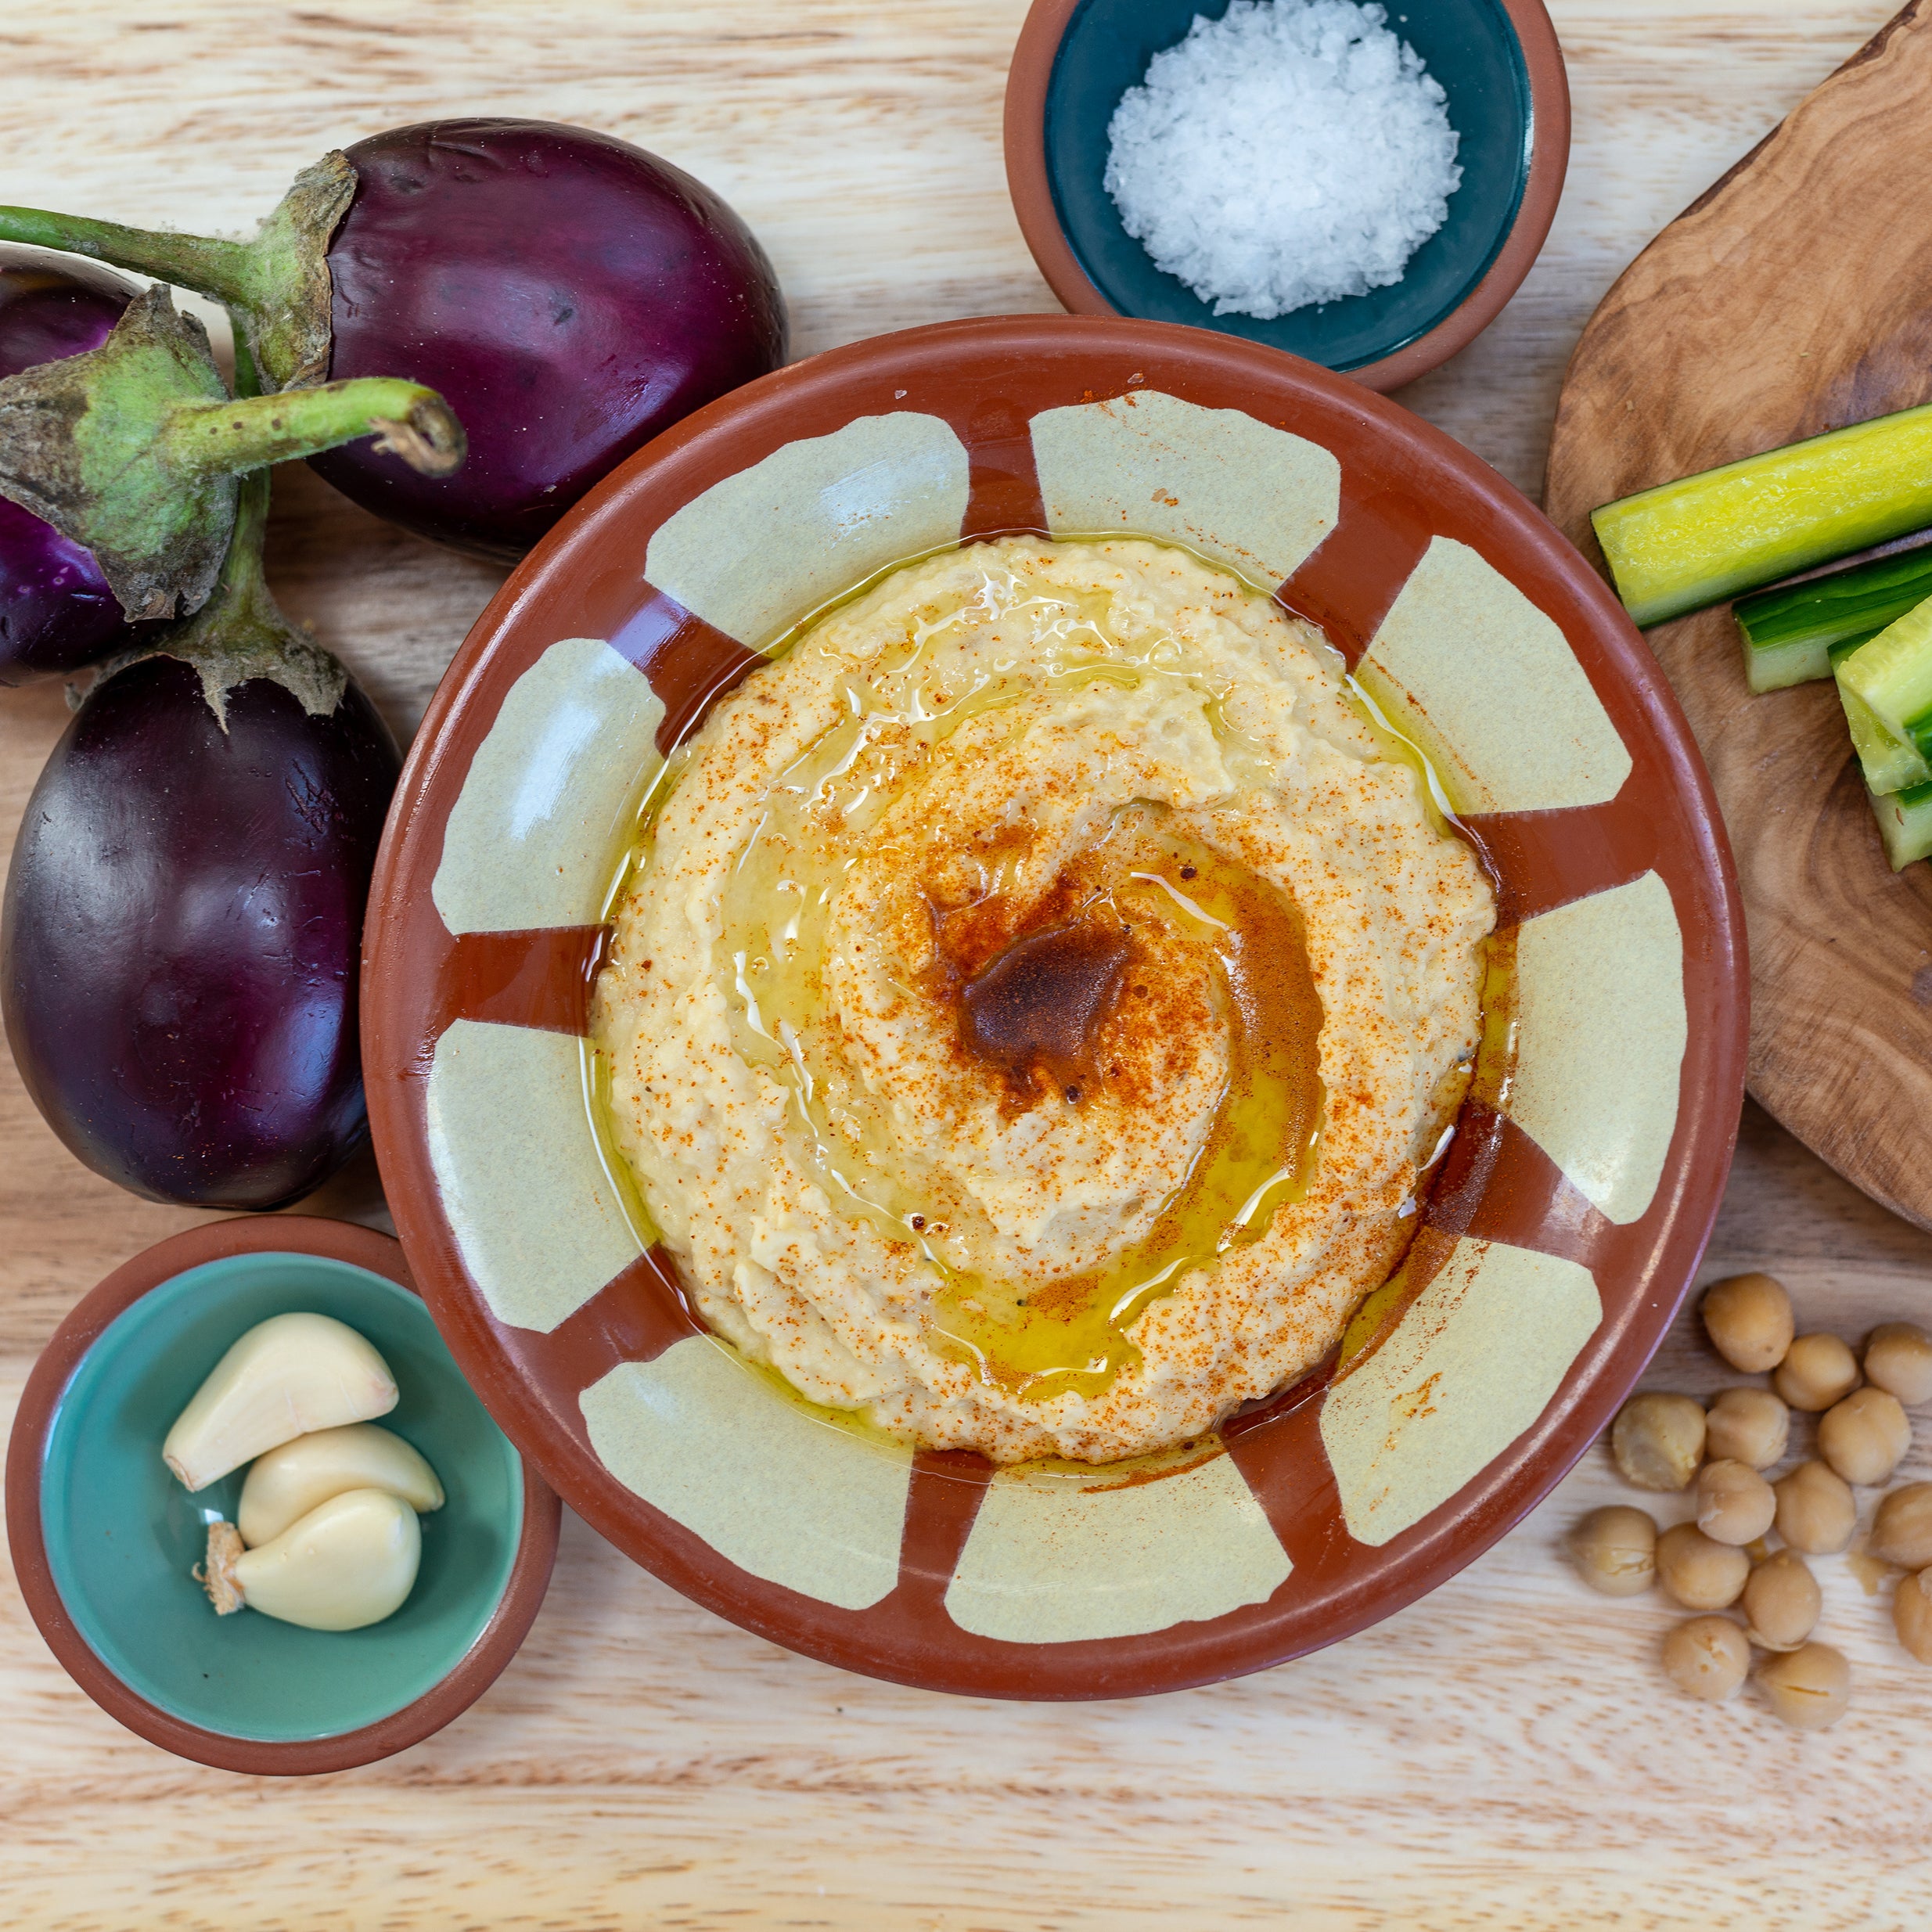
[
  {"x": 56, "y": 611},
  {"x": 570, "y": 295},
  {"x": 179, "y": 943},
  {"x": 131, "y": 450}
]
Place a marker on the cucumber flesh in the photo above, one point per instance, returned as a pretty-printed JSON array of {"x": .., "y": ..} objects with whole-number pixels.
[
  {"x": 1904, "y": 823},
  {"x": 1893, "y": 674},
  {"x": 1837, "y": 653},
  {"x": 1890, "y": 763},
  {"x": 1776, "y": 666},
  {"x": 1786, "y": 631},
  {"x": 1685, "y": 544}
]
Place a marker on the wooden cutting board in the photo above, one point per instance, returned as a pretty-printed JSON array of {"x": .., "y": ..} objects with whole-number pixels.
[{"x": 1794, "y": 297}]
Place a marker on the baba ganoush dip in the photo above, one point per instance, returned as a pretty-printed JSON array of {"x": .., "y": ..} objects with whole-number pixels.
[{"x": 1039, "y": 997}]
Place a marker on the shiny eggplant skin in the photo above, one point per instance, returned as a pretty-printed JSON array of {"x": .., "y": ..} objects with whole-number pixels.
[
  {"x": 180, "y": 945},
  {"x": 56, "y": 612},
  {"x": 569, "y": 295}
]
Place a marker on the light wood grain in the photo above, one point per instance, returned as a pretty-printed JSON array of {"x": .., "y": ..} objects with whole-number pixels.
[
  {"x": 1504, "y": 1753},
  {"x": 1501, "y": 1755},
  {"x": 1699, "y": 355}
]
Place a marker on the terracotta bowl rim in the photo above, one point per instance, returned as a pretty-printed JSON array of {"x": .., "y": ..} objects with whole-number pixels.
[
  {"x": 1030, "y": 184},
  {"x": 472, "y": 1674},
  {"x": 584, "y": 547}
]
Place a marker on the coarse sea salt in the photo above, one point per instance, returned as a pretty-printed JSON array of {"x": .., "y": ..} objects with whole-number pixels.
[{"x": 1291, "y": 152}]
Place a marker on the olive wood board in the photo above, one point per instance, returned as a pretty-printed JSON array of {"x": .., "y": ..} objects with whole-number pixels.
[{"x": 1792, "y": 297}]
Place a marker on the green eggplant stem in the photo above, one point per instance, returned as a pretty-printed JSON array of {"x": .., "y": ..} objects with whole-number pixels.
[
  {"x": 243, "y": 584},
  {"x": 276, "y": 287},
  {"x": 240, "y": 633},
  {"x": 413, "y": 423},
  {"x": 218, "y": 268}
]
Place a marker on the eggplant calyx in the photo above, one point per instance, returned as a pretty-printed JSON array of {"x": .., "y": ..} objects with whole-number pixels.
[
  {"x": 132, "y": 448},
  {"x": 241, "y": 634},
  {"x": 287, "y": 310},
  {"x": 241, "y": 646},
  {"x": 73, "y": 437},
  {"x": 277, "y": 286}
]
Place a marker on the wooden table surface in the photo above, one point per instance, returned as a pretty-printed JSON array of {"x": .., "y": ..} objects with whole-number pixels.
[{"x": 1503, "y": 1754}]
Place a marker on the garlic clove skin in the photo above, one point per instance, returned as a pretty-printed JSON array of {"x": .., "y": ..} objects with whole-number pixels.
[
  {"x": 346, "y": 1565},
  {"x": 216, "y": 1575},
  {"x": 287, "y": 1376},
  {"x": 288, "y": 1482}
]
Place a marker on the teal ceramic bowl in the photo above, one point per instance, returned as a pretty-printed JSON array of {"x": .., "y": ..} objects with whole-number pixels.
[
  {"x": 1498, "y": 61},
  {"x": 107, "y": 1542}
]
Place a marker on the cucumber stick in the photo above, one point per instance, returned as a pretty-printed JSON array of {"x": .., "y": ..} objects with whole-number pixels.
[
  {"x": 1890, "y": 763},
  {"x": 1795, "y": 633},
  {"x": 1685, "y": 544},
  {"x": 1774, "y": 667},
  {"x": 1904, "y": 823},
  {"x": 1892, "y": 673}
]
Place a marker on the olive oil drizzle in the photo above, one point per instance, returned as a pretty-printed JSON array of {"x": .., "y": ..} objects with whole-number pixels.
[{"x": 1070, "y": 1335}]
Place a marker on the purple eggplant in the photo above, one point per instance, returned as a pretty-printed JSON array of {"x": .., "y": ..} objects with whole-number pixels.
[
  {"x": 56, "y": 611},
  {"x": 181, "y": 936},
  {"x": 570, "y": 295}
]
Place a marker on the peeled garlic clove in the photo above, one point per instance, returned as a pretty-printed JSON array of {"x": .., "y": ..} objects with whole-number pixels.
[
  {"x": 288, "y": 1482},
  {"x": 286, "y": 1377},
  {"x": 347, "y": 1564}
]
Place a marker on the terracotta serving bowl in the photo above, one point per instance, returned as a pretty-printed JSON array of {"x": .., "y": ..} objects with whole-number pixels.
[
  {"x": 1509, "y": 100},
  {"x": 1568, "y": 1220},
  {"x": 104, "y": 1538}
]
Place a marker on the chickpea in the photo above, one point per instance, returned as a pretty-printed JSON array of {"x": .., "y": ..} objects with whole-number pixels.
[
  {"x": 1901, "y": 1530},
  {"x": 1864, "y": 1437},
  {"x": 1748, "y": 1426},
  {"x": 1707, "y": 1657},
  {"x": 1817, "y": 1371},
  {"x": 1658, "y": 1441},
  {"x": 1899, "y": 1359},
  {"x": 1748, "y": 1319},
  {"x": 1782, "y": 1602},
  {"x": 1816, "y": 1510},
  {"x": 1912, "y": 1616},
  {"x": 1702, "y": 1573},
  {"x": 1810, "y": 1687},
  {"x": 1735, "y": 1504},
  {"x": 1615, "y": 1549}
]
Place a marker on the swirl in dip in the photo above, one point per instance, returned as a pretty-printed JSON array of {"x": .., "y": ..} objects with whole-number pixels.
[{"x": 1040, "y": 994}]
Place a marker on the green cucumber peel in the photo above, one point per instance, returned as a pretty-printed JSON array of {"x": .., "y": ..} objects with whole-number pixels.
[
  {"x": 276, "y": 287},
  {"x": 133, "y": 449},
  {"x": 1798, "y": 632}
]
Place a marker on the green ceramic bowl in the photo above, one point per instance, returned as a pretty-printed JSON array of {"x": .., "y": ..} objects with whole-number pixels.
[
  {"x": 118, "y": 1536},
  {"x": 1498, "y": 61}
]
